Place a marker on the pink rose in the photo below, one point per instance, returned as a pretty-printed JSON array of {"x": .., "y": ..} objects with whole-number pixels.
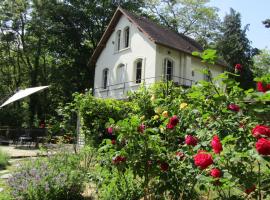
[
  {"x": 141, "y": 128},
  {"x": 203, "y": 159},
  {"x": 119, "y": 159},
  {"x": 238, "y": 67},
  {"x": 215, "y": 172},
  {"x": 179, "y": 155},
  {"x": 234, "y": 107},
  {"x": 259, "y": 130},
  {"x": 261, "y": 87},
  {"x": 191, "y": 140},
  {"x": 174, "y": 120},
  {"x": 110, "y": 130},
  {"x": 216, "y": 144},
  {"x": 263, "y": 146}
]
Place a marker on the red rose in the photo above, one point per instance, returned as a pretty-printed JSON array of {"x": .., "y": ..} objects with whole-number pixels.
[
  {"x": 141, "y": 128},
  {"x": 191, "y": 140},
  {"x": 110, "y": 130},
  {"x": 164, "y": 166},
  {"x": 233, "y": 107},
  {"x": 261, "y": 130},
  {"x": 174, "y": 120},
  {"x": 118, "y": 159},
  {"x": 216, "y": 173},
  {"x": 169, "y": 126},
  {"x": 263, "y": 146},
  {"x": 261, "y": 87},
  {"x": 203, "y": 159},
  {"x": 179, "y": 155},
  {"x": 113, "y": 142},
  {"x": 251, "y": 189},
  {"x": 238, "y": 67},
  {"x": 216, "y": 144}
]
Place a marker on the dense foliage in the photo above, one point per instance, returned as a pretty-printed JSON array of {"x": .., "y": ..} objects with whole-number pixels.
[
  {"x": 211, "y": 141},
  {"x": 49, "y": 43}
]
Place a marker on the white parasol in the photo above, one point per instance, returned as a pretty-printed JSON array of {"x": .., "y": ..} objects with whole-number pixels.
[{"x": 23, "y": 93}]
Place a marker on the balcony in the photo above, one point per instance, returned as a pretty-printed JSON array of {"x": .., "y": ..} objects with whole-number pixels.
[{"x": 120, "y": 90}]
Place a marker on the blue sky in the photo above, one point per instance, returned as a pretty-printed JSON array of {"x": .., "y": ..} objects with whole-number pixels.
[{"x": 253, "y": 12}]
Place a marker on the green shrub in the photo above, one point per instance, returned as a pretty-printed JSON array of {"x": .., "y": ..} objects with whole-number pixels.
[
  {"x": 4, "y": 157},
  {"x": 95, "y": 113},
  {"x": 57, "y": 177}
]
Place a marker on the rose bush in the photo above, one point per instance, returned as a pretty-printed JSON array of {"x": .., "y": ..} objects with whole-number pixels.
[{"x": 209, "y": 141}]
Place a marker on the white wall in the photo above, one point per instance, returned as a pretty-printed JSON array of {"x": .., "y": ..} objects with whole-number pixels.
[
  {"x": 140, "y": 47},
  {"x": 184, "y": 64}
]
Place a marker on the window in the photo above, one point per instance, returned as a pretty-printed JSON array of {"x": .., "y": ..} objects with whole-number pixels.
[
  {"x": 138, "y": 70},
  {"x": 105, "y": 78},
  {"x": 126, "y": 37},
  {"x": 121, "y": 73},
  {"x": 118, "y": 40},
  {"x": 168, "y": 69}
]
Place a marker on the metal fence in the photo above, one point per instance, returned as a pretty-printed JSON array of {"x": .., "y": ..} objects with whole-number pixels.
[{"x": 119, "y": 90}]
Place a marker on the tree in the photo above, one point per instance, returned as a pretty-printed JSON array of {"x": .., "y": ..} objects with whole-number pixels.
[
  {"x": 49, "y": 42},
  {"x": 261, "y": 63},
  {"x": 266, "y": 23},
  {"x": 234, "y": 47},
  {"x": 189, "y": 17}
]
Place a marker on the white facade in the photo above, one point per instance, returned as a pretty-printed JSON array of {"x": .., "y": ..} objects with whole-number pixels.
[{"x": 116, "y": 70}]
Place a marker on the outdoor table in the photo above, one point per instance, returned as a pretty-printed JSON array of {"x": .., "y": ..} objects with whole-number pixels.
[{"x": 25, "y": 140}]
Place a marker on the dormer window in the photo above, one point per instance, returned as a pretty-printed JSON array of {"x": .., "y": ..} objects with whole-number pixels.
[
  {"x": 118, "y": 40},
  {"x": 126, "y": 37}
]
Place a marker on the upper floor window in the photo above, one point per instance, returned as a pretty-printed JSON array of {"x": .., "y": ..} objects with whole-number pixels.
[
  {"x": 168, "y": 69},
  {"x": 126, "y": 37},
  {"x": 138, "y": 70},
  {"x": 118, "y": 40},
  {"x": 120, "y": 73},
  {"x": 105, "y": 78}
]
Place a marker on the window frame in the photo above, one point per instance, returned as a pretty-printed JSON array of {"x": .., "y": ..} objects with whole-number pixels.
[
  {"x": 118, "y": 40},
  {"x": 105, "y": 84},
  {"x": 165, "y": 69},
  {"x": 126, "y": 37},
  {"x": 138, "y": 78}
]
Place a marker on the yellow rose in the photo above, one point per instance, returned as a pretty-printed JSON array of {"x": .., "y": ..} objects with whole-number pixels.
[
  {"x": 156, "y": 117},
  {"x": 183, "y": 106},
  {"x": 165, "y": 114},
  {"x": 153, "y": 98},
  {"x": 158, "y": 110},
  {"x": 161, "y": 129}
]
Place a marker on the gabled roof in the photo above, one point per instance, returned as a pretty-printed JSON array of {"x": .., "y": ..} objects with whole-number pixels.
[{"x": 156, "y": 33}]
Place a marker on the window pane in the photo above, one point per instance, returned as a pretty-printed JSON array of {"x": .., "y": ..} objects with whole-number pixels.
[
  {"x": 168, "y": 69},
  {"x": 105, "y": 78},
  {"x": 139, "y": 71},
  {"x": 118, "y": 40},
  {"x": 127, "y": 37}
]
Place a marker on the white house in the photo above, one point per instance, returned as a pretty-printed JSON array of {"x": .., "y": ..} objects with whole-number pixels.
[{"x": 134, "y": 49}]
